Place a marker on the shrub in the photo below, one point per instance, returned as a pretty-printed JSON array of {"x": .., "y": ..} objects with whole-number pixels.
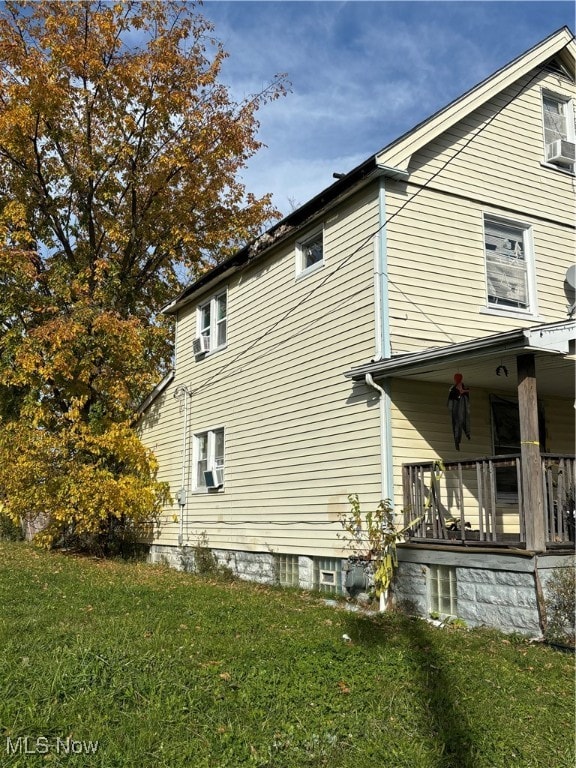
[
  {"x": 560, "y": 606},
  {"x": 9, "y": 530}
]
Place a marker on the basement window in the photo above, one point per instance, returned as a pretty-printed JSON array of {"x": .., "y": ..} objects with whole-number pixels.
[
  {"x": 328, "y": 575},
  {"x": 288, "y": 572},
  {"x": 442, "y": 590}
]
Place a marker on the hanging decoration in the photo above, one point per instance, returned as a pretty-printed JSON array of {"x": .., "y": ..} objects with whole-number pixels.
[{"x": 459, "y": 407}]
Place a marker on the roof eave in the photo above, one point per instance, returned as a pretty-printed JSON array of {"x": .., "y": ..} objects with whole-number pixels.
[
  {"x": 333, "y": 195},
  {"x": 401, "y": 150},
  {"x": 156, "y": 392},
  {"x": 549, "y": 337}
]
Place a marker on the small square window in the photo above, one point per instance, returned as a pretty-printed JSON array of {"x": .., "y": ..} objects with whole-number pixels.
[
  {"x": 310, "y": 252},
  {"x": 328, "y": 575},
  {"x": 442, "y": 590},
  {"x": 509, "y": 265}
]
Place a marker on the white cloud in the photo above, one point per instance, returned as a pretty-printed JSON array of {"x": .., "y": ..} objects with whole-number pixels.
[{"x": 362, "y": 73}]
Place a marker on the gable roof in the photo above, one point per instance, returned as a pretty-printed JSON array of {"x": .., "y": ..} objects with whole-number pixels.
[
  {"x": 399, "y": 152},
  {"x": 391, "y": 161}
]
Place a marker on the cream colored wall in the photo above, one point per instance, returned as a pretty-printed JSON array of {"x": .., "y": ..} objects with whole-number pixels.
[
  {"x": 436, "y": 242},
  {"x": 422, "y": 431},
  {"x": 298, "y": 436}
]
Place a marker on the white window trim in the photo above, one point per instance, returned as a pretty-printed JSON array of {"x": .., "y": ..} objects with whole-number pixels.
[
  {"x": 301, "y": 270},
  {"x": 211, "y": 465},
  {"x": 531, "y": 311},
  {"x": 212, "y": 303},
  {"x": 570, "y": 127}
]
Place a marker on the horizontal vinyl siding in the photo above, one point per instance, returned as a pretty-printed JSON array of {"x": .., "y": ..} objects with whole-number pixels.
[
  {"x": 436, "y": 268},
  {"x": 422, "y": 429},
  {"x": 502, "y": 163},
  {"x": 299, "y": 437},
  {"x": 435, "y": 234}
]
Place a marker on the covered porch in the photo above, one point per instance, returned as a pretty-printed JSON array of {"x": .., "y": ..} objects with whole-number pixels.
[
  {"x": 513, "y": 485},
  {"x": 461, "y": 501}
]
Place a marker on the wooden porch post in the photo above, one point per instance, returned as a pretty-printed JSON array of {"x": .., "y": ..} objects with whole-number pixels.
[{"x": 532, "y": 493}]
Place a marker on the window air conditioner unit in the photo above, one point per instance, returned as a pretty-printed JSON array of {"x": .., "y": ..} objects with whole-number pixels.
[
  {"x": 214, "y": 478},
  {"x": 201, "y": 345},
  {"x": 561, "y": 151}
]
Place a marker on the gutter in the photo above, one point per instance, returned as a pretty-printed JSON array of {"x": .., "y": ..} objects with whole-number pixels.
[
  {"x": 287, "y": 228},
  {"x": 382, "y": 343},
  {"x": 518, "y": 341}
]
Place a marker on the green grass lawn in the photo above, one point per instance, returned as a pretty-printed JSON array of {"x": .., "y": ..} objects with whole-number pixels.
[{"x": 164, "y": 669}]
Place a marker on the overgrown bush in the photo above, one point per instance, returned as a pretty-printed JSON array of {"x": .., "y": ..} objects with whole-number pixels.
[
  {"x": 560, "y": 604},
  {"x": 200, "y": 559},
  {"x": 9, "y": 530},
  {"x": 117, "y": 538}
]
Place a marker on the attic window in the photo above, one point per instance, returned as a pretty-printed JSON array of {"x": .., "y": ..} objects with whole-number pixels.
[{"x": 559, "y": 130}]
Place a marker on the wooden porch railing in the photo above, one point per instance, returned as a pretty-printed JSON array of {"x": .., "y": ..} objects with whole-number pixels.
[{"x": 481, "y": 499}]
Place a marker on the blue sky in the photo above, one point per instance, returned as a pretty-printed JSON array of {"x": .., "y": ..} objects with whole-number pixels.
[{"x": 362, "y": 73}]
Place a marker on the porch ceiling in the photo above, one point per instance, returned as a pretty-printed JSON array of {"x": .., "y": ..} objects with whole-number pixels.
[
  {"x": 484, "y": 363},
  {"x": 554, "y": 374}
]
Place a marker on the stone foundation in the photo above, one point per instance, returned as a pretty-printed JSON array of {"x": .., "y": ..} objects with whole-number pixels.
[{"x": 496, "y": 589}]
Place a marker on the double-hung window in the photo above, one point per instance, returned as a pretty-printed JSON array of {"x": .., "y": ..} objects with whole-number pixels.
[
  {"x": 310, "y": 252},
  {"x": 211, "y": 323},
  {"x": 559, "y": 130},
  {"x": 509, "y": 265},
  {"x": 209, "y": 459}
]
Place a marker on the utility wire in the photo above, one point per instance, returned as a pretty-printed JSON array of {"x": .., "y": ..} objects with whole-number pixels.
[{"x": 365, "y": 242}]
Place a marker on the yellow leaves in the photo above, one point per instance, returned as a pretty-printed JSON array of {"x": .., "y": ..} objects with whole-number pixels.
[{"x": 77, "y": 478}]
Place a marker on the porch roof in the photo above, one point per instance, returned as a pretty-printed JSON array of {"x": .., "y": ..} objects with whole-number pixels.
[{"x": 490, "y": 361}]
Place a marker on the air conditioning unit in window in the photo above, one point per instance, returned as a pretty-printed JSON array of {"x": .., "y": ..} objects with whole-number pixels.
[
  {"x": 201, "y": 345},
  {"x": 561, "y": 151},
  {"x": 214, "y": 478}
]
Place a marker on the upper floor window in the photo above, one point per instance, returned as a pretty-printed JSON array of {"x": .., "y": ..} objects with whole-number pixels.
[
  {"x": 310, "y": 252},
  {"x": 559, "y": 131},
  {"x": 208, "y": 459},
  {"x": 508, "y": 250},
  {"x": 211, "y": 324}
]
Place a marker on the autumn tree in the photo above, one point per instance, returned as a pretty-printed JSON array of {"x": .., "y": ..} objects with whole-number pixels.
[{"x": 119, "y": 157}]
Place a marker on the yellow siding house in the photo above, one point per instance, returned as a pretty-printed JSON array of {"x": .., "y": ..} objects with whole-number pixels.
[{"x": 407, "y": 334}]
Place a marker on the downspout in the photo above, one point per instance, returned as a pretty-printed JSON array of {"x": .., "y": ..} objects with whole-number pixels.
[
  {"x": 382, "y": 346},
  {"x": 182, "y": 494},
  {"x": 382, "y": 350}
]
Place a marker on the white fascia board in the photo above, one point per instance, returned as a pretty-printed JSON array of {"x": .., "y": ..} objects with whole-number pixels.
[
  {"x": 158, "y": 389},
  {"x": 400, "y": 152},
  {"x": 550, "y": 337},
  {"x": 555, "y": 338}
]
